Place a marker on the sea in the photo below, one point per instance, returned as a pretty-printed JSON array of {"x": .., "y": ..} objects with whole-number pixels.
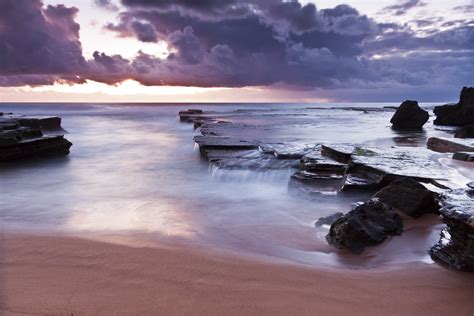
[{"x": 135, "y": 176}]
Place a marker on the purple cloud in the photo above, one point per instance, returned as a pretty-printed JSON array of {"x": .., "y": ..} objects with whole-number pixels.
[
  {"x": 402, "y": 8},
  {"x": 240, "y": 43},
  {"x": 36, "y": 40}
]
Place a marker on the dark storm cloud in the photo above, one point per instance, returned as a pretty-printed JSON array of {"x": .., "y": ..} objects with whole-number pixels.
[
  {"x": 400, "y": 9},
  {"x": 144, "y": 31},
  {"x": 37, "y": 41},
  {"x": 217, "y": 43}
]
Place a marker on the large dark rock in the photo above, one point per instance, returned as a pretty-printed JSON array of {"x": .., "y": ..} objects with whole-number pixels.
[
  {"x": 409, "y": 197},
  {"x": 409, "y": 116},
  {"x": 458, "y": 114},
  {"x": 465, "y": 132},
  {"x": 23, "y": 137},
  {"x": 368, "y": 224},
  {"x": 456, "y": 246}
]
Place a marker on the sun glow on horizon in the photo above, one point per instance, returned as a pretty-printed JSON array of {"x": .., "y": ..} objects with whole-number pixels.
[{"x": 127, "y": 87}]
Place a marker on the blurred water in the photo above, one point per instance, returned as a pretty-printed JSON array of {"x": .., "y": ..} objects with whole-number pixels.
[{"x": 134, "y": 170}]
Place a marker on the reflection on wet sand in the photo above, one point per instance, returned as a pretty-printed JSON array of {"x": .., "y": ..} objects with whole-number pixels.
[{"x": 159, "y": 217}]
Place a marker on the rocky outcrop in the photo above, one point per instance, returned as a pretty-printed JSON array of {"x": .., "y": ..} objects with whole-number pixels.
[
  {"x": 458, "y": 114},
  {"x": 456, "y": 246},
  {"x": 195, "y": 116},
  {"x": 464, "y": 156},
  {"x": 29, "y": 137},
  {"x": 373, "y": 168},
  {"x": 367, "y": 225},
  {"x": 465, "y": 132},
  {"x": 409, "y": 116},
  {"x": 339, "y": 153},
  {"x": 409, "y": 197},
  {"x": 443, "y": 145}
]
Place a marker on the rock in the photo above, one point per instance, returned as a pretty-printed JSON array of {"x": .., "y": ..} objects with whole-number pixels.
[
  {"x": 40, "y": 147},
  {"x": 8, "y": 124},
  {"x": 409, "y": 197},
  {"x": 409, "y": 116},
  {"x": 458, "y": 114},
  {"x": 328, "y": 220},
  {"x": 44, "y": 123},
  {"x": 465, "y": 132},
  {"x": 314, "y": 185},
  {"x": 22, "y": 137},
  {"x": 319, "y": 176},
  {"x": 223, "y": 143},
  {"x": 191, "y": 115},
  {"x": 470, "y": 190},
  {"x": 315, "y": 162},
  {"x": 464, "y": 156},
  {"x": 361, "y": 181},
  {"x": 340, "y": 153},
  {"x": 456, "y": 246},
  {"x": 442, "y": 145},
  {"x": 373, "y": 168},
  {"x": 368, "y": 224}
]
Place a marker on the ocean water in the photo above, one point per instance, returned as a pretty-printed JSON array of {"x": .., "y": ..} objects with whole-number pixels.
[{"x": 135, "y": 172}]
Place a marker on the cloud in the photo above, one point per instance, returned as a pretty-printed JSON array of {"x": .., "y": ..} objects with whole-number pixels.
[
  {"x": 144, "y": 31},
  {"x": 36, "y": 40},
  {"x": 43, "y": 50},
  {"x": 403, "y": 8},
  {"x": 216, "y": 43},
  {"x": 106, "y": 4},
  {"x": 468, "y": 8}
]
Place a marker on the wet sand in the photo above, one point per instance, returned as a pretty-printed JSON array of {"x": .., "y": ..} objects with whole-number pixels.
[{"x": 66, "y": 275}]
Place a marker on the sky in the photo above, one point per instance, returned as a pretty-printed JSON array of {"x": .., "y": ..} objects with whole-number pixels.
[{"x": 235, "y": 51}]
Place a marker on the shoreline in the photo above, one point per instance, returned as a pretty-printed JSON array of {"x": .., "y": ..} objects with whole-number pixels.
[{"x": 69, "y": 275}]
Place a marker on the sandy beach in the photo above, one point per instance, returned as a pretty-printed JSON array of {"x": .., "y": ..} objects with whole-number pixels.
[{"x": 65, "y": 275}]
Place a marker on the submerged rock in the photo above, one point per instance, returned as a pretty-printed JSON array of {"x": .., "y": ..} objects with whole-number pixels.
[
  {"x": 409, "y": 116},
  {"x": 456, "y": 246},
  {"x": 465, "y": 132},
  {"x": 23, "y": 137},
  {"x": 442, "y": 145},
  {"x": 464, "y": 156},
  {"x": 458, "y": 114},
  {"x": 409, "y": 197},
  {"x": 367, "y": 225}
]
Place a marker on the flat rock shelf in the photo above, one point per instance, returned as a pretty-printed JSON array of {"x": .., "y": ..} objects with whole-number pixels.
[
  {"x": 352, "y": 171},
  {"x": 31, "y": 137}
]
